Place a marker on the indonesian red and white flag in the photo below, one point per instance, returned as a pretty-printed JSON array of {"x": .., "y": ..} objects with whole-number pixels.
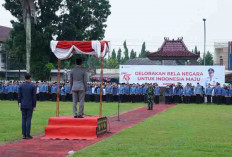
[{"x": 65, "y": 49}]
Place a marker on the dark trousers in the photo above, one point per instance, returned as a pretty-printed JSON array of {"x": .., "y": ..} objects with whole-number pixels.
[
  {"x": 54, "y": 96},
  {"x": 120, "y": 99},
  {"x": 115, "y": 98},
  {"x": 62, "y": 97},
  {"x": 11, "y": 96},
  {"x": 97, "y": 98},
  {"x": 227, "y": 100},
  {"x": 198, "y": 98},
  {"x": 157, "y": 99},
  {"x": 133, "y": 98},
  {"x": 167, "y": 99},
  {"x": 108, "y": 97},
  {"x": 218, "y": 99},
  {"x": 187, "y": 99},
  {"x": 192, "y": 99},
  {"x": 1, "y": 96},
  {"x": 209, "y": 99},
  {"x": 223, "y": 99},
  {"x": 41, "y": 96},
  {"x": 91, "y": 98},
  {"x": 26, "y": 121}
]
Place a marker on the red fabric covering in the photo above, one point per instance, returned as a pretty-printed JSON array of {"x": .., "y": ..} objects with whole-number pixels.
[
  {"x": 72, "y": 128},
  {"x": 85, "y": 46}
]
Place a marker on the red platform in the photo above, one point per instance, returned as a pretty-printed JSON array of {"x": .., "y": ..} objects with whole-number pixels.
[{"x": 71, "y": 128}]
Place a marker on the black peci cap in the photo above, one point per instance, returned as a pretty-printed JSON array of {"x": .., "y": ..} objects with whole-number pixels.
[{"x": 211, "y": 70}]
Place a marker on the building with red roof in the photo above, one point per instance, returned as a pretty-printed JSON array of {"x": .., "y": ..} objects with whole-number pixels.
[{"x": 171, "y": 52}]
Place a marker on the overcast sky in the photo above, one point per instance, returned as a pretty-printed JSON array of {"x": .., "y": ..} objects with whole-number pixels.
[{"x": 151, "y": 20}]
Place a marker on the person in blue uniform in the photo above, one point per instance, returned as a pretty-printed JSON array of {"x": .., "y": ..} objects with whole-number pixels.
[
  {"x": 7, "y": 91},
  {"x": 144, "y": 93},
  {"x": 223, "y": 98},
  {"x": 115, "y": 92},
  {"x": 137, "y": 93},
  {"x": 10, "y": 92},
  {"x": 62, "y": 93},
  {"x": 46, "y": 91},
  {"x": 209, "y": 92},
  {"x": 120, "y": 92},
  {"x": 140, "y": 92},
  {"x": 178, "y": 92},
  {"x": 166, "y": 95},
  {"x": 133, "y": 93},
  {"x": 108, "y": 89},
  {"x": 230, "y": 93},
  {"x": 67, "y": 91},
  {"x": 127, "y": 97},
  {"x": 198, "y": 93},
  {"x": 157, "y": 93},
  {"x": 218, "y": 94},
  {"x": 54, "y": 92},
  {"x": 170, "y": 94},
  {"x": 27, "y": 104},
  {"x": 98, "y": 94},
  {"x": 187, "y": 93},
  {"x": 49, "y": 92},
  {"x": 227, "y": 95},
  {"x": 1, "y": 91},
  {"x": 41, "y": 91}
]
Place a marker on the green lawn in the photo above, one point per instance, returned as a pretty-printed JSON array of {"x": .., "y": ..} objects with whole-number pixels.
[
  {"x": 182, "y": 131},
  {"x": 10, "y": 116}
]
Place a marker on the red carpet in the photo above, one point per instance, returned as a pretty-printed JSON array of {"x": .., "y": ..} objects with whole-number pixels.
[{"x": 60, "y": 148}]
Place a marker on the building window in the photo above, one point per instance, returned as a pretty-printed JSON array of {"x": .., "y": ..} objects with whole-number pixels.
[{"x": 221, "y": 60}]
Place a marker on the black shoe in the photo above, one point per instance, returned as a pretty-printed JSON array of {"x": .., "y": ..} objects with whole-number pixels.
[
  {"x": 79, "y": 116},
  {"x": 24, "y": 137},
  {"x": 75, "y": 116},
  {"x": 29, "y": 137}
]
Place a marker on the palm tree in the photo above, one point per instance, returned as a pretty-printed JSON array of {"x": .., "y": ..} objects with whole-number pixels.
[{"x": 29, "y": 10}]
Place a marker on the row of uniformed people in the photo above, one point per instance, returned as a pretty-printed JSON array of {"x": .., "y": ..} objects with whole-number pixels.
[
  {"x": 46, "y": 92},
  {"x": 117, "y": 92},
  {"x": 9, "y": 91},
  {"x": 191, "y": 94}
]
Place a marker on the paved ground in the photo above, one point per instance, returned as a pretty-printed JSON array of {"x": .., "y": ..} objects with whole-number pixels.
[{"x": 60, "y": 148}]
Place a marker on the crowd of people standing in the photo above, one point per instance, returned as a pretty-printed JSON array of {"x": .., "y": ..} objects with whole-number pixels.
[{"x": 113, "y": 92}]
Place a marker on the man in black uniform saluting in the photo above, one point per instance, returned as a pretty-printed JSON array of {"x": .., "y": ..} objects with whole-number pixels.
[{"x": 27, "y": 104}]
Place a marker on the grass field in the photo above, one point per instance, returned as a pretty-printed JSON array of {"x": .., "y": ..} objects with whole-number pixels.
[
  {"x": 10, "y": 116},
  {"x": 182, "y": 131}
]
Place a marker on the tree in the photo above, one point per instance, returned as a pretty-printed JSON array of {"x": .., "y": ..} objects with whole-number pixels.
[
  {"x": 132, "y": 54},
  {"x": 93, "y": 62},
  {"x": 208, "y": 58},
  {"x": 83, "y": 20},
  {"x": 119, "y": 56},
  {"x": 113, "y": 54},
  {"x": 126, "y": 52},
  {"x": 195, "y": 50},
  {"x": 79, "y": 20},
  {"x": 200, "y": 61},
  {"x": 143, "y": 53},
  {"x": 112, "y": 63}
]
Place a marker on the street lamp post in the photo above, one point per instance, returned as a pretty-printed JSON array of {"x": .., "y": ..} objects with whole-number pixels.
[{"x": 204, "y": 38}]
